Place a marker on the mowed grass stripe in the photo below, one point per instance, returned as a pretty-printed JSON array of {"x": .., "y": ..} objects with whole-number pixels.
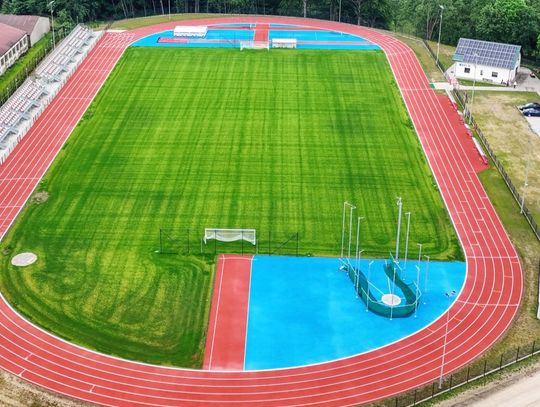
[{"x": 213, "y": 138}]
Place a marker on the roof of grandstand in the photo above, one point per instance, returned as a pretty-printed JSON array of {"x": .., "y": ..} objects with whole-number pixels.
[
  {"x": 10, "y": 36},
  {"x": 494, "y": 54},
  {"x": 25, "y": 23}
]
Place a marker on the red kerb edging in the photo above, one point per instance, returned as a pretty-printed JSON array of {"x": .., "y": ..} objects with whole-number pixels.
[
  {"x": 226, "y": 339},
  {"x": 481, "y": 314}
]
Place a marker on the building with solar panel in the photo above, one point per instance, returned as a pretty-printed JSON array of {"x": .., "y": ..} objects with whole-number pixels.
[{"x": 487, "y": 61}]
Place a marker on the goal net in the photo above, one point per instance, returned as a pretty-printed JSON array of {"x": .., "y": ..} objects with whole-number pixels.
[
  {"x": 230, "y": 235},
  {"x": 254, "y": 45}
]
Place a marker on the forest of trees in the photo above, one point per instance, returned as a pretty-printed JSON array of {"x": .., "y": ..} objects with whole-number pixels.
[{"x": 513, "y": 21}]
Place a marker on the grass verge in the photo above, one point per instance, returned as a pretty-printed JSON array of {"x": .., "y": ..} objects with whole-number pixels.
[
  {"x": 131, "y": 23},
  {"x": 6, "y": 80}
]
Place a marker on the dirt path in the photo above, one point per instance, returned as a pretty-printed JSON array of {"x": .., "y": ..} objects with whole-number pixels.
[
  {"x": 519, "y": 389},
  {"x": 15, "y": 392}
]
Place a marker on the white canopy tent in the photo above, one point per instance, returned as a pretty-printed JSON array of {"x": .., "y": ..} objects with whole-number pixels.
[{"x": 190, "y": 31}]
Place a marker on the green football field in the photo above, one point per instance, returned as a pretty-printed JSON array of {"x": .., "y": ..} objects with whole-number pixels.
[{"x": 185, "y": 139}]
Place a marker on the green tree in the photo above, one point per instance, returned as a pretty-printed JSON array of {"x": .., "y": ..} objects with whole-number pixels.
[{"x": 511, "y": 21}]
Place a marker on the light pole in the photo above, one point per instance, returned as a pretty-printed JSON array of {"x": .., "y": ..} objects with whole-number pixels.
[
  {"x": 440, "y": 29},
  {"x": 169, "y": 9},
  {"x": 448, "y": 295},
  {"x": 526, "y": 181},
  {"x": 473, "y": 87},
  {"x": 339, "y": 13},
  {"x": 51, "y": 4}
]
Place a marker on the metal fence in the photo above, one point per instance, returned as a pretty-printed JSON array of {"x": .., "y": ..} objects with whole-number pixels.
[
  {"x": 462, "y": 99},
  {"x": 477, "y": 371},
  {"x": 189, "y": 242},
  {"x": 459, "y": 95}
]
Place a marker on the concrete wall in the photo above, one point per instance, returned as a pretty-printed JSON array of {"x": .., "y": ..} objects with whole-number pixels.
[{"x": 41, "y": 28}]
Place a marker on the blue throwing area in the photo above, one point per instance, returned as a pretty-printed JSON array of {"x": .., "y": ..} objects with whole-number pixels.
[{"x": 304, "y": 310}]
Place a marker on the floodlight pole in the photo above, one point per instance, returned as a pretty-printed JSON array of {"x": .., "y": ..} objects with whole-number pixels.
[
  {"x": 169, "y": 9},
  {"x": 400, "y": 206},
  {"x": 339, "y": 12},
  {"x": 369, "y": 276},
  {"x": 407, "y": 239},
  {"x": 449, "y": 295},
  {"x": 51, "y": 4},
  {"x": 473, "y": 88},
  {"x": 526, "y": 181},
  {"x": 440, "y": 29}
]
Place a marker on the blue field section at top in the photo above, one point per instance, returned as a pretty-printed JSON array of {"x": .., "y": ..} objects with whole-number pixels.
[
  {"x": 305, "y": 310},
  {"x": 231, "y": 35}
]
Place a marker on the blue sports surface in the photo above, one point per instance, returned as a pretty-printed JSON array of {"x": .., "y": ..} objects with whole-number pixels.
[
  {"x": 304, "y": 310},
  {"x": 226, "y": 37}
]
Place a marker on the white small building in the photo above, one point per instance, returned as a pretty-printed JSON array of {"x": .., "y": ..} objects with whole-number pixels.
[
  {"x": 487, "y": 61},
  {"x": 34, "y": 26},
  {"x": 13, "y": 43}
]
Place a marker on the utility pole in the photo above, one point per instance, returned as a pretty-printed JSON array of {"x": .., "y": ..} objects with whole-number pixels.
[
  {"x": 440, "y": 29},
  {"x": 51, "y": 4}
]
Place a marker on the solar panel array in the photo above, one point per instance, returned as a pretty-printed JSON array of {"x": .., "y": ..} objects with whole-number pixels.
[{"x": 487, "y": 53}]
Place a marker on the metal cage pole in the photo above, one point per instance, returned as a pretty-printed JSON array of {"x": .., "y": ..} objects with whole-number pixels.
[
  {"x": 400, "y": 206},
  {"x": 407, "y": 239},
  {"x": 369, "y": 276}
]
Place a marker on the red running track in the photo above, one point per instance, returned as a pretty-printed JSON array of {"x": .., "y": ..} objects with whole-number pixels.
[
  {"x": 482, "y": 313},
  {"x": 227, "y": 325}
]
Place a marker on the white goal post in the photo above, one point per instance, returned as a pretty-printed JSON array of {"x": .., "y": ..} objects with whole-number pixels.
[
  {"x": 230, "y": 235},
  {"x": 251, "y": 44}
]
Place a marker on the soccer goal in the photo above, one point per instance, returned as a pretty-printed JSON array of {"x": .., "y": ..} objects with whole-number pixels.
[
  {"x": 254, "y": 45},
  {"x": 230, "y": 235}
]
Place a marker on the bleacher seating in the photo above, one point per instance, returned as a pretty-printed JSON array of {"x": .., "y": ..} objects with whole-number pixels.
[
  {"x": 21, "y": 110},
  {"x": 59, "y": 60}
]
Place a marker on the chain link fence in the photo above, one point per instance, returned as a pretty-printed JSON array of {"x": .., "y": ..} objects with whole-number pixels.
[
  {"x": 462, "y": 98},
  {"x": 478, "y": 371},
  {"x": 190, "y": 242}
]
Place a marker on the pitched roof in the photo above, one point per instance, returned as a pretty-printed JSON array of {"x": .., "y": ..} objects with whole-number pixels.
[
  {"x": 10, "y": 36},
  {"x": 25, "y": 23},
  {"x": 487, "y": 53}
]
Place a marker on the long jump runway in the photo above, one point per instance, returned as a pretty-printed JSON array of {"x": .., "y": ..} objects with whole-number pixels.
[{"x": 481, "y": 314}]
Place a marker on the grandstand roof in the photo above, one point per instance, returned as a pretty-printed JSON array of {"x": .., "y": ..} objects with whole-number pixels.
[
  {"x": 25, "y": 23},
  {"x": 494, "y": 54},
  {"x": 10, "y": 36}
]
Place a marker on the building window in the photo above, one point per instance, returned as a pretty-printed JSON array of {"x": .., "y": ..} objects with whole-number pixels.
[
  {"x": 467, "y": 70},
  {"x": 494, "y": 74}
]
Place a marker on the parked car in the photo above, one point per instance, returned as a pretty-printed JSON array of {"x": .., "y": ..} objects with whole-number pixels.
[
  {"x": 531, "y": 112},
  {"x": 532, "y": 105}
]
